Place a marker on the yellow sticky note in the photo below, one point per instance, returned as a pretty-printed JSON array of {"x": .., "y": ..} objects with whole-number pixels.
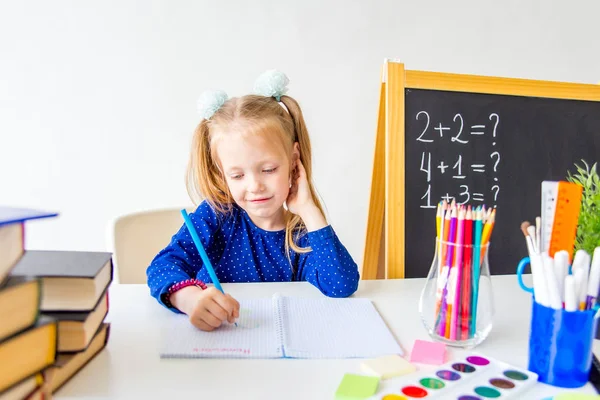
[{"x": 388, "y": 366}]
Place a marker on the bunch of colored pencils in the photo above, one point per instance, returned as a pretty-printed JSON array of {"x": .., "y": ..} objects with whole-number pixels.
[{"x": 463, "y": 235}]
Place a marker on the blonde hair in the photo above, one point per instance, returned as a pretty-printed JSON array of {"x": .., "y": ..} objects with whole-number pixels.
[{"x": 258, "y": 115}]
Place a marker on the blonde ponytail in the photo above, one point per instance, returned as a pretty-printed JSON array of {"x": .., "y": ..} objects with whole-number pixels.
[
  {"x": 203, "y": 178},
  {"x": 295, "y": 226}
]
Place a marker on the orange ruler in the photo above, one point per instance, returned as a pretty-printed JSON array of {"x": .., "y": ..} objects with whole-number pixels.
[{"x": 561, "y": 205}]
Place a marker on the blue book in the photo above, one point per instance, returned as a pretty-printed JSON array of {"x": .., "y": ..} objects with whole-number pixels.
[
  {"x": 11, "y": 215},
  {"x": 12, "y": 235}
]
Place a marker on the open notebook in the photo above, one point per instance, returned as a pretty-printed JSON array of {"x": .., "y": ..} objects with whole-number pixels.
[{"x": 286, "y": 327}]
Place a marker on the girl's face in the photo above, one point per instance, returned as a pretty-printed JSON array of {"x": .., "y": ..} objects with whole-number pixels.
[{"x": 257, "y": 172}]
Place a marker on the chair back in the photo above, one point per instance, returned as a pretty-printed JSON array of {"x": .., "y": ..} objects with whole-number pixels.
[{"x": 138, "y": 237}]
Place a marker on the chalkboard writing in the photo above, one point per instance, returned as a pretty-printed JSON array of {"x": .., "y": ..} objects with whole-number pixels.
[
  {"x": 488, "y": 149},
  {"x": 458, "y": 170}
]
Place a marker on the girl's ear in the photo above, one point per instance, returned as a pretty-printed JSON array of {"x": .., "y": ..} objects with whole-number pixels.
[
  {"x": 296, "y": 152},
  {"x": 295, "y": 157}
]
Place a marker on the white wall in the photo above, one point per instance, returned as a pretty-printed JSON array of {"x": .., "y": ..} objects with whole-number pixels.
[{"x": 97, "y": 98}]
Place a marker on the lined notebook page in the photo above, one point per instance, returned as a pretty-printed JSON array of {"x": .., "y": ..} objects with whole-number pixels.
[
  {"x": 334, "y": 328},
  {"x": 254, "y": 337}
]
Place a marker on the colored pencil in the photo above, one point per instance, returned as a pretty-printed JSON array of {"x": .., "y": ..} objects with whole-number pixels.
[
  {"x": 444, "y": 274},
  {"x": 476, "y": 267},
  {"x": 444, "y": 327},
  {"x": 487, "y": 232},
  {"x": 451, "y": 238},
  {"x": 440, "y": 245},
  {"x": 446, "y": 231},
  {"x": 202, "y": 252},
  {"x": 450, "y": 302},
  {"x": 458, "y": 267},
  {"x": 467, "y": 260},
  {"x": 438, "y": 220}
]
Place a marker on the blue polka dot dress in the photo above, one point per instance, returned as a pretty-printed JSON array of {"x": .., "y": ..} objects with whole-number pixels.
[{"x": 242, "y": 252}]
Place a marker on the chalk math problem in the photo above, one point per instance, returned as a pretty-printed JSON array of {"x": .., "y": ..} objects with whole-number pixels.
[{"x": 457, "y": 168}]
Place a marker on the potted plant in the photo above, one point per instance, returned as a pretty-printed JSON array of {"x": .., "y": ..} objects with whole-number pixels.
[{"x": 588, "y": 229}]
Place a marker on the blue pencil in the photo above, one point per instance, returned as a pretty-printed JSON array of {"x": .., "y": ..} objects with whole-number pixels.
[
  {"x": 476, "y": 269},
  {"x": 203, "y": 255}
]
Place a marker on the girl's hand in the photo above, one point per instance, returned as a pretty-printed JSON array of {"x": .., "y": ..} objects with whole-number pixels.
[
  {"x": 300, "y": 201},
  {"x": 207, "y": 309}
]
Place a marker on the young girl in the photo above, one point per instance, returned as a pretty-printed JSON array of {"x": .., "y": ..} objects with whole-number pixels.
[{"x": 261, "y": 220}]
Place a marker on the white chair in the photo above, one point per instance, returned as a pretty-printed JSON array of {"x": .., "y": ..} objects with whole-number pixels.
[{"x": 136, "y": 238}]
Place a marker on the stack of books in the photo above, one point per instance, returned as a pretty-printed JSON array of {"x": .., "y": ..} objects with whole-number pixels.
[{"x": 52, "y": 307}]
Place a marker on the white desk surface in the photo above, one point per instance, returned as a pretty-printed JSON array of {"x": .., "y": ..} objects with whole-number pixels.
[{"x": 130, "y": 366}]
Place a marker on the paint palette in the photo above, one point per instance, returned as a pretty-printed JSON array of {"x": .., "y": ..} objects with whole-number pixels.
[{"x": 474, "y": 377}]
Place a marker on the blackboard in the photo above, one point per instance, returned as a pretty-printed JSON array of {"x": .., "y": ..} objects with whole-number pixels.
[
  {"x": 488, "y": 149},
  {"x": 495, "y": 139}
]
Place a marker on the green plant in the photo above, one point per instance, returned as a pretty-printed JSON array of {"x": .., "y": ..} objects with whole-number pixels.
[{"x": 588, "y": 229}]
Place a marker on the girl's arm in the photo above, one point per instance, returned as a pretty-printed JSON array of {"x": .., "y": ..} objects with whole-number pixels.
[
  {"x": 328, "y": 266},
  {"x": 180, "y": 260}
]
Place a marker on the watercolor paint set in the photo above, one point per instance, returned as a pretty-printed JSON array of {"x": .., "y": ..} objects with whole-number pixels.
[{"x": 474, "y": 377}]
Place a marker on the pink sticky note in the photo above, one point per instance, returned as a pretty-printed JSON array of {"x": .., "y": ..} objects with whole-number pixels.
[{"x": 425, "y": 352}]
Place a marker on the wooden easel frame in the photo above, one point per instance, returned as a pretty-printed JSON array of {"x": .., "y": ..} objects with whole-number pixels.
[{"x": 385, "y": 225}]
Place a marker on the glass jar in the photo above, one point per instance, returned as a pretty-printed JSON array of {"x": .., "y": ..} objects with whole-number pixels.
[{"x": 456, "y": 304}]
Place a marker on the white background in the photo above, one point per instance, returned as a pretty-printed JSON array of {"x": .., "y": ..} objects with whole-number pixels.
[{"x": 97, "y": 98}]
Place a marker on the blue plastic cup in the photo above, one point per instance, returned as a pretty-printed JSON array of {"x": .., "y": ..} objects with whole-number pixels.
[
  {"x": 560, "y": 342},
  {"x": 560, "y": 345}
]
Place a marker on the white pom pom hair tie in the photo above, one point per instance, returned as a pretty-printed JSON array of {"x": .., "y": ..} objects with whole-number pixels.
[
  {"x": 271, "y": 83},
  {"x": 210, "y": 101}
]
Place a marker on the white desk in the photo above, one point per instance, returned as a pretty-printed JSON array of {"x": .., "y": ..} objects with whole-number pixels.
[{"x": 130, "y": 366}]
